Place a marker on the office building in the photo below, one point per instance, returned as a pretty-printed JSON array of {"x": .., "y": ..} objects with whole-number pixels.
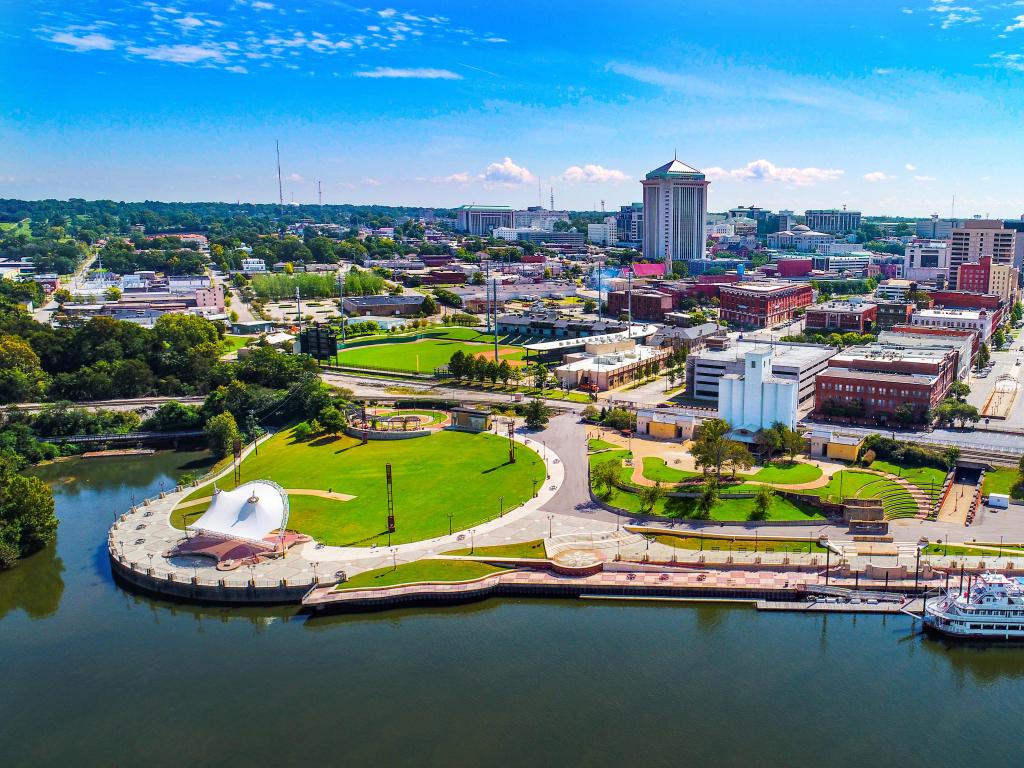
[
  {"x": 648, "y": 306},
  {"x": 629, "y": 222},
  {"x": 926, "y": 260},
  {"x": 964, "y": 342},
  {"x": 853, "y": 316},
  {"x": 935, "y": 228},
  {"x": 833, "y": 220},
  {"x": 406, "y": 305},
  {"x": 977, "y": 320},
  {"x": 536, "y": 217},
  {"x": 785, "y": 220},
  {"x": 759, "y": 305},
  {"x": 723, "y": 356},
  {"x": 1001, "y": 280},
  {"x": 977, "y": 239},
  {"x": 895, "y": 289},
  {"x": 603, "y": 234},
  {"x": 892, "y": 313},
  {"x": 482, "y": 220},
  {"x": 885, "y": 383},
  {"x": 675, "y": 213},
  {"x": 570, "y": 239}
]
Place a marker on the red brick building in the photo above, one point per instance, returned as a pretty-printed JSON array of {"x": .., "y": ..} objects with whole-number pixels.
[
  {"x": 960, "y": 299},
  {"x": 794, "y": 267},
  {"x": 842, "y": 316},
  {"x": 648, "y": 306},
  {"x": 867, "y": 385},
  {"x": 759, "y": 305}
]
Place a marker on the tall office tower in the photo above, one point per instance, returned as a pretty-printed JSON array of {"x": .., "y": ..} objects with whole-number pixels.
[
  {"x": 675, "y": 213},
  {"x": 835, "y": 221},
  {"x": 978, "y": 238}
]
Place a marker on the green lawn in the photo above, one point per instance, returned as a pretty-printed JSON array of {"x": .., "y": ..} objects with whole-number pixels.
[
  {"x": 16, "y": 227},
  {"x": 601, "y": 445},
  {"x": 464, "y": 474},
  {"x": 433, "y": 347},
  {"x": 1003, "y": 480},
  {"x": 896, "y": 501},
  {"x": 778, "y": 473},
  {"x": 700, "y": 543},
  {"x": 231, "y": 343},
  {"x": 433, "y": 417},
  {"x": 961, "y": 550},
  {"x": 928, "y": 479},
  {"x": 531, "y": 549},
  {"x": 421, "y": 570}
]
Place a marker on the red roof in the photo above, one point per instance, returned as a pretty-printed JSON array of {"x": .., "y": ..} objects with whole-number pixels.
[{"x": 645, "y": 270}]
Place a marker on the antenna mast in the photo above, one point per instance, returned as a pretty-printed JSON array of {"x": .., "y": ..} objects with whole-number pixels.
[
  {"x": 280, "y": 188},
  {"x": 319, "y": 193},
  {"x": 552, "y": 198}
]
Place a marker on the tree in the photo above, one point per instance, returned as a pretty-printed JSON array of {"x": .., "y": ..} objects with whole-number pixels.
[
  {"x": 62, "y": 295},
  {"x": 457, "y": 364},
  {"x": 332, "y": 420},
  {"x": 27, "y": 519},
  {"x": 221, "y": 432},
  {"x": 302, "y": 432},
  {"x": 429, "y": 306},
  {"x": 650, "y": 495},
  {"x": 589, "y": 305},
  {"x": 793, "y": 442},
  {"x": 540, "y": 375},
  {"x": 619, "y": 418},
  {"x": 1017, "y": 313},
  {"x": 762, "y": 503},
  {"x": 492, "y": 371},
  {"x": 769, "y": 441},
  {"x": 537, "y": 414},
  {"x": 984, "y": 355},
  {"x": 590, "y": 413},
  {"x": 113, "y": 293},
  {"x": 960, "y": 390},
  {"x": 504, "y": 372},
  {"x": 21, "y": 374},
  {"x": 708, "y": 498},
  {"x": 737, "y": 456},
  {"x": 951, "y": 456},
  {"x": 709, "y": 445},
  {"x": 605, "y": 474}
]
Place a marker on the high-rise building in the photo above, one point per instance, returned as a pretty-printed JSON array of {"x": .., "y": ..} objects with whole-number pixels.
[
  {"x": 926, "y": 260},
  {"x": 481, "y": 220},
  {"x": 675, "y": 213},
  {"x": 988, "y": 278},
  {"x": 935, "y": 228},
  {"x": 835, "y": 221},
  {"x": 536, "y": 217},
  {"x": 630, "y": 222},
  {"x": 978, "y": 238},
  {"x": 603, "y": 234}
]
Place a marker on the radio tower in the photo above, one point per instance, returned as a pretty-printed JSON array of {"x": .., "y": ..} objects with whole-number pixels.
[
  {"x": 280, "y": 188},
  {"x": 319, "y": 194},
  {"x": 552, "y": 198}
]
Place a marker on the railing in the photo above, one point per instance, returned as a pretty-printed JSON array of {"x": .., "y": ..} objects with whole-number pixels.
[{"x": 123, "y": 437}]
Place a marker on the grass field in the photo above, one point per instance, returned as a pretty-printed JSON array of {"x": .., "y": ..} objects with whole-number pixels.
[
  {"x": 779, "y": 473},
  {"x": 425, "y": 351},
  {"x": 928, "y": 479},
  {"x": 1003, "y": 480},
  {"x": 530, "y": 549},
  {"x": 16, "y": 227},
  {"x": 421, "y": 570},
  {"x": 463, "y": 474},
  {"x": 232, "y": 343},
  {"x": 701, "y": 543}
]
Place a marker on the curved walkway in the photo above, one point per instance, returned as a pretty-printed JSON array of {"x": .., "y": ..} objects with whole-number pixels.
[{"x": 290, "y": 491}]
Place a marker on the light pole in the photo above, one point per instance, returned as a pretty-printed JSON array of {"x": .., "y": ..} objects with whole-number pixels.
[
  {"x": 551, "y": 522},
  {"x": 501, "y": 506},
  {"x": 394, "y": 558},
  {"x": 450, "y": 516},
  {"x": 315, "y": 578},
  {"x": 472, "y": 540}
]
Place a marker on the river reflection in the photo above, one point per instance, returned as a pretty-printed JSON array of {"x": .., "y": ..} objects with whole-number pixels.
[{"x": 93, "y": 674}]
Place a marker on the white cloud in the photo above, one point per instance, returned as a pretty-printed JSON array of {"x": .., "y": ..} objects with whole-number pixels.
[
  {"x": 592, "y": 174},
  {"x": 189, "y": 22},
  {"x": 90, "y": 42},
  {"x": 1011, "y": 61},
  {"x": 910, "y": 167},
  {"x": 924, "y": 178},
  {"x": 955, "y": 14},
  {"x": 507, "y": 172},
  {"x": 764, "y": 170},
  {"x": 494, "y": 40},
  {"x": 371, "y": 182},
  {"x": 262, "y": 5},
  {"x": 1018, "y": 24},
  {"x": 876, "y": 176},
  {"x": 387, "y": 13},
  {"x": 455, "y": 178},
  {"x": 883, "y": 71},
  {"x": 179, "y": 54},
  {"x": 423, "y": 73},
  {"x": 294, "y": 177},
  {"x": 237, "y": 69}
]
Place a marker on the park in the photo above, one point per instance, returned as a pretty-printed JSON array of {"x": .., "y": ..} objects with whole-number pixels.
[{"x": 426, "y": 351}]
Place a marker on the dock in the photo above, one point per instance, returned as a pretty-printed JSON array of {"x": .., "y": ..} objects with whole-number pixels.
[{"x": 820, "y": 607}]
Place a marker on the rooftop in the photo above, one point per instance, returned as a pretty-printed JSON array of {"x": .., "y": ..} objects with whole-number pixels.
[
  {"x": 843, "y": 305},
  {"x": 484, "y": 208},
  {"x": 763, "y": 287},
  {"x": 674, "y": 169},
  {"x": 801, "y": 355},
  {"x": 953, "y": 314},
  {"x": 379, "y": 301},
  {"x": 902, "y": 352},
  {"x": 894, "y": 378}
]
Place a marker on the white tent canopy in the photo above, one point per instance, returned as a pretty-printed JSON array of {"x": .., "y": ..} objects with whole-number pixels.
[{"x": 249, "y": 512}]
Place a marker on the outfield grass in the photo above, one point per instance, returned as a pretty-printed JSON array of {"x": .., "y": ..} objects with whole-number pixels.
[
  {"x": 433, "y": 347},
  {"x": 928, "y": 479},
  {"x": 1003, "y": 480},
  {"x": 530, "y": 549},
  {"x": 421, "y": 570},
  {"x": 464, "y": 474},
  {"x": 232, "y": 343}
]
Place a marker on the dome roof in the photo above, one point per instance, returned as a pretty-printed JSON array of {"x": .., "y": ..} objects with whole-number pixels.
[{"x": 800, "y": 228}]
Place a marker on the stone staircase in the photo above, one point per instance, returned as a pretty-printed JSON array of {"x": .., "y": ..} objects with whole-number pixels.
[{"x": 605, "y": 540}]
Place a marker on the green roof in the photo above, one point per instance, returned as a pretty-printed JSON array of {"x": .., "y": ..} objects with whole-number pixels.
[
  {"x": 483, "y": 208},
  {"x": 674, "y": 169}
]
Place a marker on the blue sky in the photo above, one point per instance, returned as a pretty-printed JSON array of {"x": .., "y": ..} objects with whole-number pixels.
[{"x": 889, "y": 107}]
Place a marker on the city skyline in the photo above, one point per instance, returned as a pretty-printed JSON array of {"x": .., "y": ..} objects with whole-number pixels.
[{"x": 893, "y": 110}]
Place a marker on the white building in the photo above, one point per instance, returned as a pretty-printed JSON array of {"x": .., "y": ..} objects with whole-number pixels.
[
  {"x": 894, "y": 289},
  {"x": 253, "y": 266},
  {"x": 481, "y": 220},
  {"x": 536, "y": 217},
  {"x": 926, "y": 260},
  {"x": 603, "y": 234},
  {"x": 979, "y": 321},
  {"x": 936, "y": 228},
  {"x": 800, "y": 237},
  {"x": 675, "y": 213},
  {"x": 720, "y": 229},
  {"x": 756, "y": 399}
]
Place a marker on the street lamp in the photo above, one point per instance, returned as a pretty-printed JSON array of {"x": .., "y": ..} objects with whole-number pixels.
[
  {"x": 472, "y": 540},
  {"x": 501, "y": 506},
  {"x": 394, "y": 558},
  {"x": 315, "y": 578},
  {"x": 450, "y": 516},
  {"x": 551, "y": 522}
]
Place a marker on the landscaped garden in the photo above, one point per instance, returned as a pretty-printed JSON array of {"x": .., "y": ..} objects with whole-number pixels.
[
  {"x": 928, "y": 479},
  {"x": 735, "y": 544},
  {"x": 466, "y": 476},
  {"x": 779, "y": 472}
]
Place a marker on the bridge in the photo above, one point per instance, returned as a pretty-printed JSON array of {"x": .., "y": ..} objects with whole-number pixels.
[{"x": 128, "y": 437}]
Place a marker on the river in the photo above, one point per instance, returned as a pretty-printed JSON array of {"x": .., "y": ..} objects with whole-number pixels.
[{"x": 91, "y": 674}]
